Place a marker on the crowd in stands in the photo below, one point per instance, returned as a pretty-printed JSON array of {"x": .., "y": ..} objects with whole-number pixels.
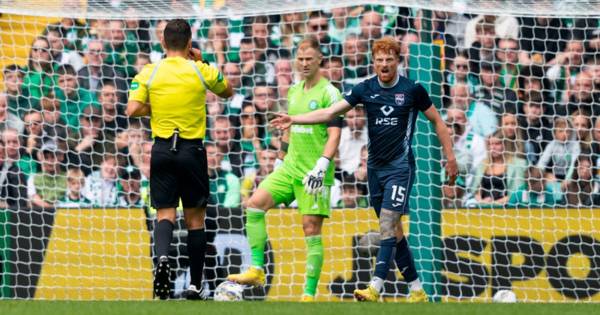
[{"x": 520, "y": 99}]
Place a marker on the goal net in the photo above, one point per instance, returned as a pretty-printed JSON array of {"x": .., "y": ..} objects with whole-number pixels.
[{"x": 517, "y": 84}]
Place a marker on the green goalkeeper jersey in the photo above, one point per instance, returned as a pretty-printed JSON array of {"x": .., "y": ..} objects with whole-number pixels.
[{"x": 307, "y": 142}]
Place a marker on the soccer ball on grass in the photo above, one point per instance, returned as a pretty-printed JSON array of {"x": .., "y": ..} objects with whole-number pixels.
[{"x": 229, "y": 291}]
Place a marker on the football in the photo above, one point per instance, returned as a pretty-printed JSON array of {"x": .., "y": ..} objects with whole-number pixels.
[
  {"x": 229, "y": 292},
  {"x": 505, "y": 296}
]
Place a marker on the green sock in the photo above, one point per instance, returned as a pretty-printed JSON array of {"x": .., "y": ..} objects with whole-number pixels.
[
  {"x": 314, "y": 262},
  {"x": 256, "y": 230}
]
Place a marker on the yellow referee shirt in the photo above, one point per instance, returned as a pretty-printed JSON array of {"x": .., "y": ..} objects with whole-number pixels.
[{"x": 176, "y": 90}]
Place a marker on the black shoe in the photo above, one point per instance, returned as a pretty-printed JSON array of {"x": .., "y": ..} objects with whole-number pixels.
[
  {"x": 194, "y": 294},
  {"x": 162, "y": 283}
]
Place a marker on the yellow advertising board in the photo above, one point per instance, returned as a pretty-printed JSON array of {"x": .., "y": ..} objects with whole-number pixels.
[
  {"x": 97, "y": 254},
  {"x": 540, "y": 254}
]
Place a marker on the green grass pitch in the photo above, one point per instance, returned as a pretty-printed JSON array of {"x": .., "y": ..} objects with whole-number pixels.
[{"x": 263, "y": 308}]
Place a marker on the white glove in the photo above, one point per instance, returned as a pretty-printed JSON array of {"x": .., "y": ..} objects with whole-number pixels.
[
  {"x": 277, "y": 163},
  {"x": 313, "y": 181}
]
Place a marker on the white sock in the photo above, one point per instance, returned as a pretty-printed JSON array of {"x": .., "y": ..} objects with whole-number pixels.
[
  {"x": 376, "y": 283},
  {"x": 415, "y": 285}
]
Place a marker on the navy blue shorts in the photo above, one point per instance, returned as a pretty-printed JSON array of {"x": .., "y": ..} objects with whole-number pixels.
[{"x": 390, "y": 188}]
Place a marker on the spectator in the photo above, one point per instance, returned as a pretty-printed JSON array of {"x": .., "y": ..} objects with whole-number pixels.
[
  {"x": 251, "y": 140},
  {"x": 535, "y": 127},
  {"x": 224, "y": 185},
  {"x": 223, "y": 136},
  {"x": 141, "y": 61},
  {"x": 482, "y": 48},
  {"x": 73, "y": 32},
  {"x": 582, "y": 125},
  {"x": 13, "y": 191},
  {"x": 121, "y": 51},
  {"x": 333, "y": 70},
  {"x": 291, "y": 30},
  {"x": 49, "y": 185},
  {"x": 542, "y": 37},
  {"x": 101, "y": 185},
  {"x": 113, "y": 119},
  {"x": 460, "y": 73},
  {"x": 53, "y": 124},
  {"x": 73, "y": 99},
  {"x": 318, "y": 25},
  {"x": 371, "y": 28},
  {"x": 259, "y": 32},
  {"x": 62, "y": 55},
  {"x": 130, "y": 195},
  {"x": 283, "y": 78},
  {"x": 405, "y": 41},
  {"x": 460, "y": 96},
  {"x": 38, "y": 79},
  {"x": 512, "y": 135},
  {"x": 14, "y": 155},
  {"x": 564, "y": 69},
  {"x": 264, "y": 99},
  {"x": 491, "y": 92},
  {"x": 482, "y": 119},
  {"x": 351, "y": 195},
  {"x": 469, "y": 148},
  {"x": 266, "y": 165},
  {"x": 499, "y": 174},
  {"x": 18, "y": 103},
  {"x": 532, "y": 79},
  {"x": 233, "y": 73},
  {"x": 137, "y": 31},
  {"x": 581, "y": 190},
  {"x": 8, "y": 119},
  {"x": 356, "y": 61},
  {"x": 216, "y": 49},
  {"x": 156, "y": 50},
  {"x": 34, "y": 131},
  {"x": 501, "y": 26},
  {"x": 559, "y": 156},
  {"x": 536, "y": 194},
  {"x": 361, "y": 173},
  {"x": 255, "y": 68},
  {"x": 510, "y": 57},
  {"x": 92, "y": 144},
  {"x": 342, "y": 23},
  {"x": 73, "y": 197},
  {"x": 95, "y": 72},
  {"x": 353, "y": 138},
  {"x": 581, "y": 96}
]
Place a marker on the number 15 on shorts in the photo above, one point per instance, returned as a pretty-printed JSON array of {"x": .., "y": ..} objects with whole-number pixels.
[{"x": 398, "y": 196}]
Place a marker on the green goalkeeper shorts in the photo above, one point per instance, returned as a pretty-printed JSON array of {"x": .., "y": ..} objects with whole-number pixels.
[{"x": 285, "y": 189}]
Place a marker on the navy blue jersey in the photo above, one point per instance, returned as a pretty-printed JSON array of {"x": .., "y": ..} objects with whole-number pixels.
[{"x": 391, "y": 116}]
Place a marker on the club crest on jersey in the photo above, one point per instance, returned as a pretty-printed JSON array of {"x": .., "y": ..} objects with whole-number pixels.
[
  {"x": 399, "y": 99},
  {"x": 312, "y": 105}
]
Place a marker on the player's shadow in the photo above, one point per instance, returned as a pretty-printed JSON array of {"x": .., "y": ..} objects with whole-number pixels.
[{"x": 362, "y": 268}]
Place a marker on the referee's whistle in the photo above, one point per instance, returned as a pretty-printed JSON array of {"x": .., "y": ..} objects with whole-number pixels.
[{"x": 174, "y": 139}]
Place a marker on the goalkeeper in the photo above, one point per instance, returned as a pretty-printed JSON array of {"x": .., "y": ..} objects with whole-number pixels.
[
  {"x": 392, "y": 103},
  {"x": 306, "y": 174}
]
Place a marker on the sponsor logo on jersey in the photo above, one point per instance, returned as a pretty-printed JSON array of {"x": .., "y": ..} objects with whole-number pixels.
[
  {"x": 312, "y": 105},
  {"x": 302, "y": 129},
  {"x": 399, "y": 99},
  {"x": 134, "y": 85},
  {"x": 374, "y": 96},
  {"x": 387, "y": 110}
]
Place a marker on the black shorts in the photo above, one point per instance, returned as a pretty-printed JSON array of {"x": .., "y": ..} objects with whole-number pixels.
[{"x": 181, "y": 174}]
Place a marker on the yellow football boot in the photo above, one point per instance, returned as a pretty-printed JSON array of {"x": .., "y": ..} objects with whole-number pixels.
[{"x": 254, "y": 277}]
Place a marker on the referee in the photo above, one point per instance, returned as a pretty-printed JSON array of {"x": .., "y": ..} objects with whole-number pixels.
[{"x": 173, "y": 92}]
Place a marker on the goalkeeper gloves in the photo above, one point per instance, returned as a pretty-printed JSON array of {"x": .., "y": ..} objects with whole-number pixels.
[{"x": 313, "y": 181}]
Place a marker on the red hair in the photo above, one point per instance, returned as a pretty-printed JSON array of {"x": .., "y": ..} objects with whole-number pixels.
[{"x": 386, "y": 45}]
